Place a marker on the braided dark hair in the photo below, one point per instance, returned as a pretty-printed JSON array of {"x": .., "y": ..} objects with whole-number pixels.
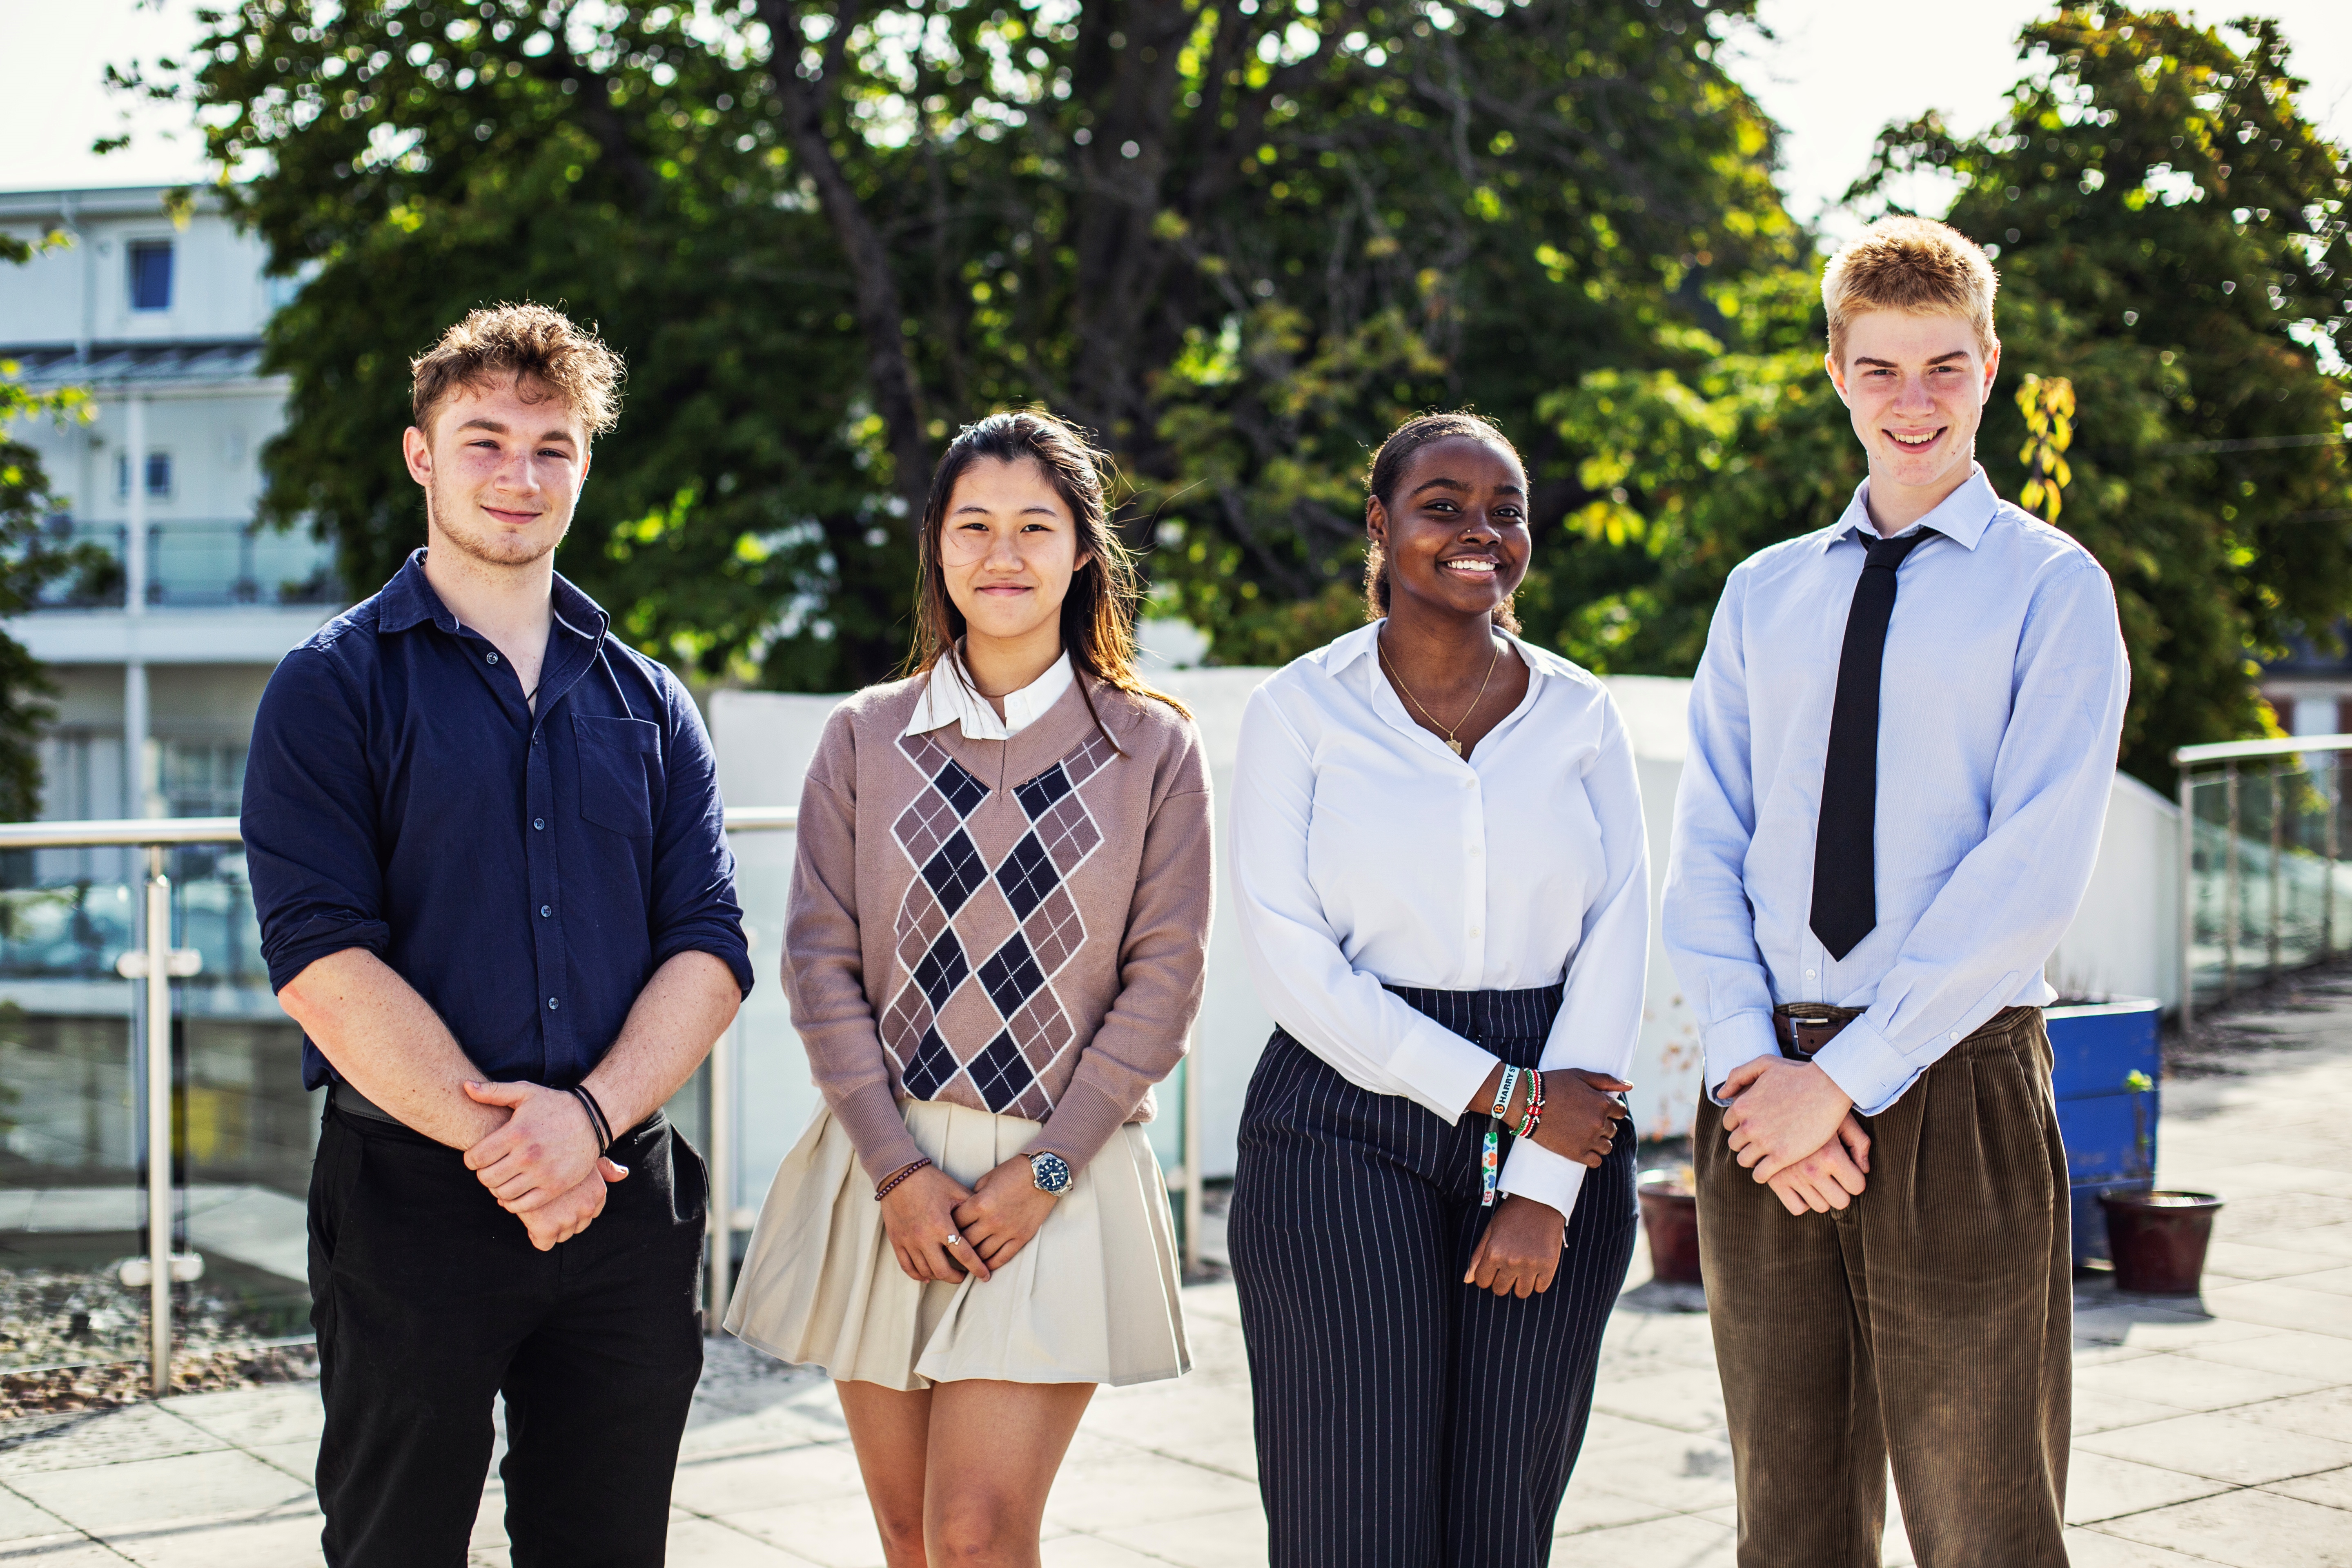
[{"x": 1387, "y": 472}]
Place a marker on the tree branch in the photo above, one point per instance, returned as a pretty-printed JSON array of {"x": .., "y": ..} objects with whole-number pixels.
[{"x": 881, "y": 315}]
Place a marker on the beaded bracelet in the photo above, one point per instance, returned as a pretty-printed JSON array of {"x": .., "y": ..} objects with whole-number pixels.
[
  {"x": 897, "y": 1176},
  {"x": 1532, "y": 1117},
  {"x": 1490, "y": 1155}
]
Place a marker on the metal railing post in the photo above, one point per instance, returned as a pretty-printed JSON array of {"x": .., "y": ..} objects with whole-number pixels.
[
  {"x": 722, "y": 1171},
  {"x": 2188, "y": 898},
  {"x": 159, "y": 1121},
  {"x": 1193, "y": 1193},
  {"x": 2278, "y": 813},
  {"x": 2327, "y": 842},
  {"x": 2230, "y": 888}
]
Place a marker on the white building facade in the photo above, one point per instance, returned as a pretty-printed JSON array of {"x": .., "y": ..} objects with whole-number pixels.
[{"x": 159, "y": 661}]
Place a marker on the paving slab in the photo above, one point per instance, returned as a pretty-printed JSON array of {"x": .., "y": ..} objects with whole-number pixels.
[
  {"x": 111, "y": 1438},
  {"x": 2246, "y": 1528},
  {"x": 2332, "y": 1489},
  {"x": 2185, "y": 1383},
  {"x": 2327, "y": 1357},
  {"x": 2096, "y": 1549},
  {"x": 22, "y": 1520},
  {"x": 2103, "y": 1486},
  {"x": 141, "y": 1496},
  {"x": 289, "y": 1536}
]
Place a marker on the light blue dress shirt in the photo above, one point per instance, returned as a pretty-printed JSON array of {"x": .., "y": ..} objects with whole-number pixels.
[{"x": 2001, "y": 705}]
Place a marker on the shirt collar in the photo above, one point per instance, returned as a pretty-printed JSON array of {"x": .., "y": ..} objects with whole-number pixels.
[
  {"x": 950, "y": 697},
  {"x": 1364, "y": 642},
  {"x": 409, "y": 600},
  {"x": 1363, "y": 647},
  {"x": 1962, "y": 517}
]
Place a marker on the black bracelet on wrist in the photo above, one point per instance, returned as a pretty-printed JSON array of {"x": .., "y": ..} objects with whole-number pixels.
[{"x": 600, "y": 1128}]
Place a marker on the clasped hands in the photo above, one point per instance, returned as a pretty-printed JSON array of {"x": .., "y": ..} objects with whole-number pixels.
[
  {"x": 1518, "y": 1252},
  {"x": 542, "y": 1163},
  {"x": 942, "y": 1229},
  {"x": 1790, "y": 1124}
]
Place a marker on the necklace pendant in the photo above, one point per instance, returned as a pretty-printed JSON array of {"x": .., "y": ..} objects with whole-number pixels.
[{"x": 1456, "y": 744}]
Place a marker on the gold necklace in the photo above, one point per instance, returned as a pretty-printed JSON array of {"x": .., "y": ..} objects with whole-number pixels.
[{"x": 1425, "y": 713}]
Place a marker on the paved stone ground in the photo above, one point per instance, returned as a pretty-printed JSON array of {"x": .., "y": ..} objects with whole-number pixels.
[{"x": 2216, "y": 1430}]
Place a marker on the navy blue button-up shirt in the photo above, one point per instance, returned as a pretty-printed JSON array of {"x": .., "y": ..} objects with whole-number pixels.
[{"x": 525, "y": 872}]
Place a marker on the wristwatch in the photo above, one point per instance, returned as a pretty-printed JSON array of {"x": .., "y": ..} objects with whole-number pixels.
[{"x": 1050, "y": 1172}]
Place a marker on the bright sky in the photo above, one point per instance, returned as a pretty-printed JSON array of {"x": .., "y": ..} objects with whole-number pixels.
[{"x": 1826, "y": 75}]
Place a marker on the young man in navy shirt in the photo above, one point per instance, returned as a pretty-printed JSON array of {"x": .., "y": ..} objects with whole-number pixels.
[{"x": 489, "y": 862}]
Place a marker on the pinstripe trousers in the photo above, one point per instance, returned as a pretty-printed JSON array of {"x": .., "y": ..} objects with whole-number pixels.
[{"x": 1405, "y": 1419}]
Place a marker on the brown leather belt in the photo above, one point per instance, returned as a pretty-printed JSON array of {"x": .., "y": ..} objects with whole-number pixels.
[{"x": 1804, "y": 1027}]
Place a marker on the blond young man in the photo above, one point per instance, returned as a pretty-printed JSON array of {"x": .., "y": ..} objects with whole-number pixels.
[
  {"x": 494, "y": 889},
  {"x": 1890, "y": 810}
]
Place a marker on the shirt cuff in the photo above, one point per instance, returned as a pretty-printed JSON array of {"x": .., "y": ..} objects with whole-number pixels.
[
  {"x": 724, "y": 945},
  {"x": 1439, "y": 1068},
  {"x": 1535, "y": 1172},
  {"x": 1871, "y": 1071},
  {"x": 1736, "y": 1040}
]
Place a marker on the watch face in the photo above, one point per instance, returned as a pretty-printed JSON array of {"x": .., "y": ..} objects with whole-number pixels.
[{"x": 1050, "y": 1172}]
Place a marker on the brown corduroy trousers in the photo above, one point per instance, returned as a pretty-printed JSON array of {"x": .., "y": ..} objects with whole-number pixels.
[{"x": 1929, "y": 1323}]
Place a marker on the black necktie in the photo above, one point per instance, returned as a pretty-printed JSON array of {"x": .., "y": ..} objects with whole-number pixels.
[{"x": 1845, "y": 859}]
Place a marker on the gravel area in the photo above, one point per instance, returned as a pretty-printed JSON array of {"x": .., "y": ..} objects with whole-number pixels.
[{"x": 75, "y": 1340}]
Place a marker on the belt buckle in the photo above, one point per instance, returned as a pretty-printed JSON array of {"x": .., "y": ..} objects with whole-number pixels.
[{"x": 1807, "y": 1036}]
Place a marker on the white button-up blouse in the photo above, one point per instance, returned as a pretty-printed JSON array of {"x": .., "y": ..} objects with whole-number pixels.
[{"x": 1366, "y": 853}]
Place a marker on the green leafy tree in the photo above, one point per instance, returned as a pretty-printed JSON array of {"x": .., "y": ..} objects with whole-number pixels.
[
  {"x": 2172, "y": 238},
  {"x": 1237, "y": 238},
  {"x": 2171, "y": 235}
]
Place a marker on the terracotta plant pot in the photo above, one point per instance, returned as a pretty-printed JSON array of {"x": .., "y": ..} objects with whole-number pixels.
[
  {"x": 2158, "y": 1239},
  {"x": 1670, "y": 1217}
]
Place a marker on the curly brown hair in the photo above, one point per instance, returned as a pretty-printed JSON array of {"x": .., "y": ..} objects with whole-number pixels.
[{"x": 540, "y": 347}]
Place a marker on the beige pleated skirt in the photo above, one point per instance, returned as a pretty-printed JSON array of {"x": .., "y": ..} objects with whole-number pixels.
[{"x": 1092, "y": 1298}]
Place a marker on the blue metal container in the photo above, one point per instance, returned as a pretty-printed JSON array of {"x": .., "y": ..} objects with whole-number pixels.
[{"x": 2105, "y": 1068}]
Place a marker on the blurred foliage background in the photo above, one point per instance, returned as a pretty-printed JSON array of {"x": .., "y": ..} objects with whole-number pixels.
[{"x": 1241, "y": 238}]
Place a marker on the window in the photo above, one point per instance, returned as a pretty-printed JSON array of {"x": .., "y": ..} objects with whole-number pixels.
[
  {"x": 202, "y": 778},
  {"x": 159, "y": 475},
  {"x": 150, "y": 275}
]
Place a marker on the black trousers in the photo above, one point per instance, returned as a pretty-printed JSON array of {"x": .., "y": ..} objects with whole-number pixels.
[
  {"x": 429, "y": 1300},
  {"x": 1406, "y": 1419}
]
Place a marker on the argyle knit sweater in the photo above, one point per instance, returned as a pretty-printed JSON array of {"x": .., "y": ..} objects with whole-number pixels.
[{"x": 1018, "y": 926}]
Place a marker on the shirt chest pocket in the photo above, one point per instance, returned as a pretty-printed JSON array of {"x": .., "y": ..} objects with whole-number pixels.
[{"x": 620, "y": 773}]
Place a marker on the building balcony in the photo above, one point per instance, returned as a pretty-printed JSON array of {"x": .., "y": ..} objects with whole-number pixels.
[
  {"x": 219, "y": 591},
  {"x": 199, "y": 562}
]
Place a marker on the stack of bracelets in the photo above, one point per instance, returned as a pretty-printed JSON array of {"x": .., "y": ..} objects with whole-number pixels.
[
  {"x": 1490, "y": 1152},
  {"x": 897, "y": 1176}
]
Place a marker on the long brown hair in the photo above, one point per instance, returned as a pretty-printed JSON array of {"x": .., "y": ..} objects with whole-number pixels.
[
  {"x": 1388, "y": 472},
  {"x": 1098, "y": 612}
]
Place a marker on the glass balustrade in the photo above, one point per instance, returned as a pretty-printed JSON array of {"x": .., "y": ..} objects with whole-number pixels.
[
  {"x": 2269, "y": 885},
  {"x": 193, "y": 563},
  {"x": 74, "y": 1181},
  {"x": 73, "y": 1118}
]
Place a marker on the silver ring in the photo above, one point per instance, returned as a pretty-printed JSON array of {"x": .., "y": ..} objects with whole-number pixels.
[{"x": 955, "y": 1241}]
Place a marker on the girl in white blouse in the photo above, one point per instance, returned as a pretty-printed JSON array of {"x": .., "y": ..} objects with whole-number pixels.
[{"x": 1445, "y": 891}]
